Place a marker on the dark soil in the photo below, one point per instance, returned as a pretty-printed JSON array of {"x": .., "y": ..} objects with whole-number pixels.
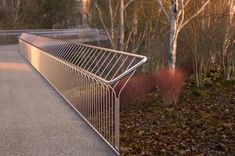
[{"x": 199, "y": 124}]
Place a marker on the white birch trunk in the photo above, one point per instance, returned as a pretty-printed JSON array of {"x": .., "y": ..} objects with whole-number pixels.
[
  {"x": 177, "y": 20},
  {"x": 135, "y": 23},
  {"x": 173, "y": 37},
  {"x": 110, "y": 34},
  {"x": 4, "y": 4},
  {"x": 17, "y": 12},
  {"x": 112, "y": 23},
  {"x": 226, "y": 55},
  {"x": 122, "y": 25}
]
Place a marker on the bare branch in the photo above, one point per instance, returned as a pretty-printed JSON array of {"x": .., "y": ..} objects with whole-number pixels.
[
  {"x": 128, "y": 3},
  {"x": 110, "y": 10},
  {"x": 232, "y": 10},
  {"x": 111, "y": 19},
  {"x": 195, "y": 15},
  {"x": 186, "y": 3},
  {"x": 180, "y": 4},
  {"x": 116, "y": 9},
  {"x": 164, "y": 10},
  {"x": 105, "y": 28},
  {"x": 139, "y": 41},
  {"x": 182, "y": 15},
  {"x": 129, "y": 38}
]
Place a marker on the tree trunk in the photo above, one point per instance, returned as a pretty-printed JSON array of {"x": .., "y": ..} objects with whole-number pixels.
[
  {"x": 122, "y": 25},
  {"x": 173, "y": 37},
  {"x": 135, "y": 23},
  {"x": 226, "y": 54},
  {"x": 17, "y": 12},
  {"x": 112, "y": 22},
  {"x": 4, "y": 5}
]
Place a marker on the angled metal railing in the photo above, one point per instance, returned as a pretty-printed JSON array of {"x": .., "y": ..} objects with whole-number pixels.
[
  {"x": 17, "y": 32},
  {"x": 88, "y": 77}
]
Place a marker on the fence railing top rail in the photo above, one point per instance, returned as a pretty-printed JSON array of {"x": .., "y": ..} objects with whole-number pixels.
[
  {"x": 46, "y": 31},
  {"x": 105, "y": 64}
]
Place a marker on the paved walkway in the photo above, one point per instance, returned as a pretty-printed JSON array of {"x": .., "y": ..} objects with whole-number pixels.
[{"x": 34, "y": 119}]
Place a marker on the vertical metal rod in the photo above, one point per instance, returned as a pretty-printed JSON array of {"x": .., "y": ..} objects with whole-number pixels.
[
  {"x": 117, "y": 128},
  {"x": 85, "y": 97},
  {"x": 82, "y": 103},
  {"x": 95, "y": 105},
  {"x": 106, "y": 113},
  {"x": 112, "y": 120}
]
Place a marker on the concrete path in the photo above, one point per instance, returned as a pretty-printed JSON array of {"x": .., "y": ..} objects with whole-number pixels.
[{"x": 34, "y": 119}]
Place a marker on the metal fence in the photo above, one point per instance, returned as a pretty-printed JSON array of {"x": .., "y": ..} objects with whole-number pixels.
[
  {"x": 79, "y": 35},
  {"x": 90, "y": 78},
  {"x": 18, "y": 32}
]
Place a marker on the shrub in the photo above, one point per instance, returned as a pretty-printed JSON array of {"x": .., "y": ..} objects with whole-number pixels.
[
  {"x": 136, "y": 90},
  {"x": 199, "y": 92},
  {"x": 170, "y": 83}
]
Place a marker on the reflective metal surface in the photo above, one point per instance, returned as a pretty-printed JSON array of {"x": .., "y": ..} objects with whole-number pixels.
[{"x": 86, "y": 76}]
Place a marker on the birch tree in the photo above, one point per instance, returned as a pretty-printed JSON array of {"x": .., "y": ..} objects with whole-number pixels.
[
  {"x": 123, "y": 7},
  {"x": 108, "y": 26},
  {"x": 11, "y": 12},
  {"x": 174, "y": 10},
  {"x": 227, "y": 55},
  {"x": 4, "y": 5},
  {"x": 113, "y": 7}
]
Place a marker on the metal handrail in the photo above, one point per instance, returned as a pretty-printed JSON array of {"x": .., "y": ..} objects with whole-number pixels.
[
  {"x": 45, "y": 31},
  {"x": 86, "y": 77},
  {"x": 112, "y": 81}
]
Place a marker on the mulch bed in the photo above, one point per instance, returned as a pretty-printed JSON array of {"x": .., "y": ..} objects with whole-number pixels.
[{"x": 196, "y": 125}]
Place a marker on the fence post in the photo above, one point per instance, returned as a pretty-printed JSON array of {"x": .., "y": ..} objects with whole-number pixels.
[{"x": 117, "y": 126}]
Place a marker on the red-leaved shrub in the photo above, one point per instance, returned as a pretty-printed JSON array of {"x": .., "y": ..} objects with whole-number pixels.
[
  {"x": 170, "y": 82},
  {"x": 136, "y": 90}
]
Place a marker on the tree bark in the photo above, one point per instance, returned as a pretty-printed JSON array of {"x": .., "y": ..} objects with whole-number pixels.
[
  {"x": 173, "y": 37},
  {"x": 111, "y": 21},
  {"x": 226, "y": 55},
  {"x": 4, "y": 4},
  {"x": 17, "y": 12},
  {"x": 177, "y": 20},
  {"x": 122, "y": 25}
]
